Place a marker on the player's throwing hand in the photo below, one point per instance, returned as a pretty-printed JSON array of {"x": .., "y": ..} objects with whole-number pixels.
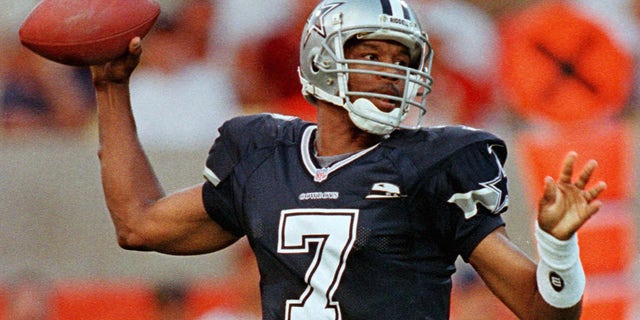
[{"x": 119, "y": 70}]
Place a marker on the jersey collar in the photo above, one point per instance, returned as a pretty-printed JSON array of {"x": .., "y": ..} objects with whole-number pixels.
[{"x": 318, "y": 173}]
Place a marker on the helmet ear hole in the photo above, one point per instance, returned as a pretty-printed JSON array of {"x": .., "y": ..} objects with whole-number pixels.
[{"x": 314, "y": 65}]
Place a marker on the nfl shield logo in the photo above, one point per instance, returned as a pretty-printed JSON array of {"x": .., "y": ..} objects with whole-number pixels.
[{"x": 321, "y": 175}]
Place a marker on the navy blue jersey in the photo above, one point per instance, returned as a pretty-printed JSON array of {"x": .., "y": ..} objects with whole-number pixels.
[{"x": 373, "y": 236}]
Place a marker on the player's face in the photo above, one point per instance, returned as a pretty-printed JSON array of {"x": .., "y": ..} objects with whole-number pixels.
[{"x": 380, "y": 51}]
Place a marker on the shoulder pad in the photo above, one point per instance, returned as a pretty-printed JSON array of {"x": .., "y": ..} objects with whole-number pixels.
[
  {"x": 242, "y": 136},
  {"x": 432, "y": 145}
]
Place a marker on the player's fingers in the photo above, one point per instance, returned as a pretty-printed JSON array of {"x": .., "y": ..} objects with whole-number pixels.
[
  {"x": 593, "y": 208},
  {"x": 96, "y": 71},
  {"x": 587, "y": 171},
  {"x": 135, "y": 50},
  {"x": 549, "y": 194},
  {"x": 135, "y": 46},
  {"x": 567, "y": 167},
  {"x": 594, "y": 192},
  {"x": 133, "y": 57}
]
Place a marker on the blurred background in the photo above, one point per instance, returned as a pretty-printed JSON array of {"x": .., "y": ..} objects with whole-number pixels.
[{"x": 546, "y": 76}]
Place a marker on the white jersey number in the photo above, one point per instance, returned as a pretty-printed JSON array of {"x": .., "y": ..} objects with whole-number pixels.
[{"x": 334, "y": 230}]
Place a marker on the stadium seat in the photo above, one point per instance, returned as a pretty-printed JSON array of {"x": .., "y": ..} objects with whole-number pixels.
[
  {"x": 608, "y": 241},
  {"x": 206, "y": 295},
  {"x": 103, "y": 300},
  {"x": 541, "y": 151},
  {"x": 609, "y": 297}
]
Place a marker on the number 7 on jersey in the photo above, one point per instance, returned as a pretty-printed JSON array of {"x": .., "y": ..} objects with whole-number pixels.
[{"x": 334, "y": 230}]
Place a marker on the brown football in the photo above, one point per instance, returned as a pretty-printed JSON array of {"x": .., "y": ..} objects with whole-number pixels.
[{"x": 86, "y": 32}]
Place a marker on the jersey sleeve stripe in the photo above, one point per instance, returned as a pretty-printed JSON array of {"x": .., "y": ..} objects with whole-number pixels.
[{"x": 211, "y": 177}]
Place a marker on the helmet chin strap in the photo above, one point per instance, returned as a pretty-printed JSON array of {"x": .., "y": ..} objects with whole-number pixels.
[{"x": 369, "y": 123}]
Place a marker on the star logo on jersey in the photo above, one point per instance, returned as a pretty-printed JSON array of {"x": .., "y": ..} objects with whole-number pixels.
[
  {"x": 490, "y": 195},
  {"x": 496, "y": 185},
  {"x": 384, "y": 190},
  {"x": 316, "y": 20}
]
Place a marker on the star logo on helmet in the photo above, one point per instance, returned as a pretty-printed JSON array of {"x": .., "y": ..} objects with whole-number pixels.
[{"x": 316, "y": 20}]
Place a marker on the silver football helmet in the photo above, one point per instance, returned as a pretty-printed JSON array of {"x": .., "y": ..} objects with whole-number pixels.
[{"x": 324, "y": 71}]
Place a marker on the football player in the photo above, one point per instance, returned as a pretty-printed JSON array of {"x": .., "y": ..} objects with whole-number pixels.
[{"x": 363, "y": 214}]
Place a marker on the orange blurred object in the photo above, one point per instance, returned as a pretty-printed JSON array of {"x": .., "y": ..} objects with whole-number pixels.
[
  {"x": 542, "y": 151},
  {"x": 207, "y": 295},
  {"x": 3, "y": 303},
  {"x": 611, "y": 297},
  {"x": 103, "y": 300},
  {"x": 558, "y": 65},
  {"x": 295, "y": 105},
  {"x": 607, "y": 241}
]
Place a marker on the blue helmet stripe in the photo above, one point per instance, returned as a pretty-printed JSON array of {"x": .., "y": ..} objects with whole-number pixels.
[
  {"x": 405, "y": 12},
  {"x": 386, "y": 7}
]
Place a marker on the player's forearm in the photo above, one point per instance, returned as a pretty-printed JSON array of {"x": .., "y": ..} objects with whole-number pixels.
[
  {"x": 511, "y": 276},
  {"x": 528, "y": 302},
  {"x": 544, "y": 311},
  {"x": 519, "y": 292},
  {"x": 128, "y": 180}
]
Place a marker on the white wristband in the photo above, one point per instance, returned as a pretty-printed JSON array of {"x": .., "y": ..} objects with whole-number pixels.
[{"x": 560, "y": 276}]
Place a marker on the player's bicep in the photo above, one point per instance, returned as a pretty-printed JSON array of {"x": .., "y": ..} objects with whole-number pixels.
[{"x": 179, "y": 224}]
